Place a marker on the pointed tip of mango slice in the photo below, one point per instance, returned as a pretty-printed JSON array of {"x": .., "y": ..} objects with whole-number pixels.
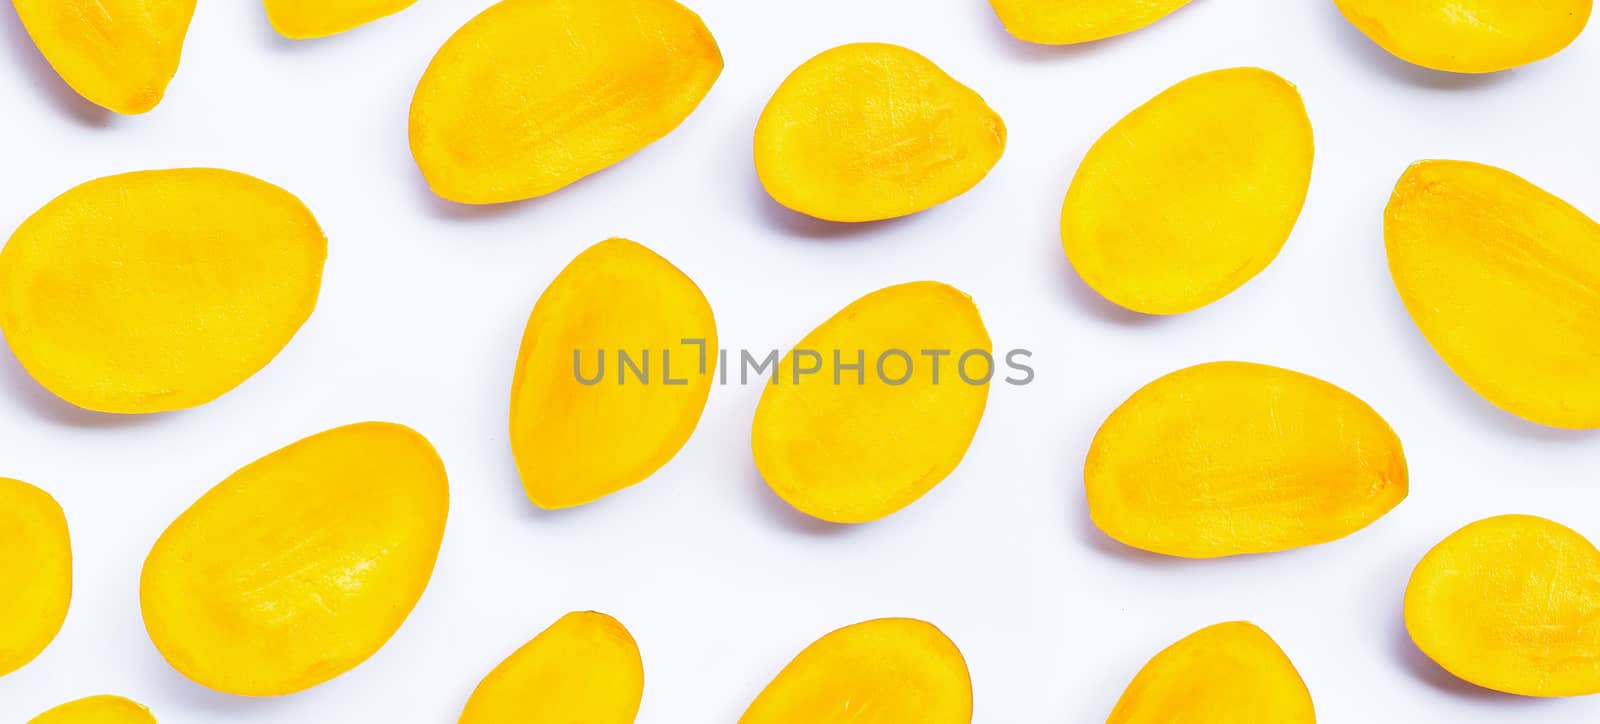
[
  {"x": 1229, "y": 672},
  {"x": 36, "y": 567},
  {"x": 1052, "y": 22},
  {"x": 583, "y": 668},
  {"x": 102, "y": 709},
  {"x": 1469, "y": 36},
  {"x": 311, "y": 19},
  {"x": 117, "y": 54}
]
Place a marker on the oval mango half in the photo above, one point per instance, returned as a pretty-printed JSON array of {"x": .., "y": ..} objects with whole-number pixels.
[
  {"x": 301, "y": 565},
  {"x": 1469, "y": 36},
  {"x": 1065, "y": 22},
  {"x": 1503, "y": 279},
  {"x": 1230, "y": 672},
  {"x": 36, "y": 566},
  {"x": 103, "y": 709},
  {"x": 873, "y": 131},
  {"x": 117, "y": 54},
  {"x": 584, "y": 668},
  {"x": 306, "y": 19},
  {"x": 1192, "y": 194},
  {"x": 533, "y": 95},
  {"x": 1231, "y": 458}
]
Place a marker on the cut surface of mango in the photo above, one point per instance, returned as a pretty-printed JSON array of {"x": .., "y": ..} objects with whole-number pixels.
[
  {"x": 301, "y": 565},
  {"x": 584, "y": 668},
  {"x": 1192, "y": 194},
  {"x": 1503, "y": 279},
  {"x": 103, "y": 709},
  {"x": 1469, "y": 36},
  {"x": 872, "y": 131},
  {"x": 1230, "y": 672},
  {"x": 615, "y": 368},
  {"x": 885, "y": 671},
  {"x": 1064, "y": 22},
  {"x": 1232, "y": 458},
  {"x": 118, "y": 54},
  {"x": 1511, "y": 603},
  {"x": 158, "y": 290},
  {"x": 304, "y": 19},
  {"x": 36, "y": 568},
  {"x": 533, "y": 95}
]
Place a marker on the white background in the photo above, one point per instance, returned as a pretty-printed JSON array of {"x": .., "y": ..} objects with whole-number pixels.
[{"x": 721, "y": 583}]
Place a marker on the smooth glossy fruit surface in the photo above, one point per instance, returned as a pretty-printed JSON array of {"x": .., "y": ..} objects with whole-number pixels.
[
  {"x": 35, "y": 572},
  {"x": 104, "y": 709},
  {"x": 1064, "y": 22},
  {"x": 118, "y": 54},
  {"x": 304, "y": 19},
  {"x": 584, "y": 669},
  {"x": 1230, "y": 673},
  {"x": 1470, "y": 36}
]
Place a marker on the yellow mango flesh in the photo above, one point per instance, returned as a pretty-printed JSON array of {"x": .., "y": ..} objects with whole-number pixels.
[
  {"x": 1503, "y": 279},
  {"x": 886, "y": 671},
  {"x": 1064, "y": 22},
  {"x": 1230, "y": 672},
  {"x": 872, "y": 131},
  {"x": 584, "y": 668},
  {"x": 533, "y": 95},
  {"x": 158, "y": 290},
  {"x": 1192, "y": 194},
  {"x": 575, "y": 442},
  {"x": 849, "y": 445},
  {"x": 301, "y": 565},
  {"x": 102, "y": 709},
  {"x": 1469, "y": 36},
  {"x": 36, "y": 571},
  {"x": 304, "y": 19},
  {"x": 118, "y": 54},
  {"x": 1512, "y": 604},
  {"x": 1232, "y": 458}
]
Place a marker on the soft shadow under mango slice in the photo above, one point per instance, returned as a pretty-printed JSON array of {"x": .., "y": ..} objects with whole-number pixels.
[
  {"x": 1469, "y": 36},
  {"x": 1503, "y": 279},
  {"x": 533, "y": 95},
  {"x": 873, "y": 131},
  {"x": 584, "y": 668},
  {"x": 103, "y": 709},
  {"x": 1230, "y": 673},
  {"x": 1192, "y": 194},
  {"x": 305, "y": 19},
  {"x": 885, "y": 671},
  {"x": 301, "y": 565},
  {"x": 1064, "y": 22},
  {"x": 1232, "y": 458},
  {"x": 1511, "y": 603},
  {"x": 118, "y": 54},
  {"x": 35, "y": 572}
]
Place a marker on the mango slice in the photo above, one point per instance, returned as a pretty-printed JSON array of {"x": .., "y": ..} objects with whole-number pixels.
[
  {"x": 306, "y": 19},
  {"x": 1065, "y": 22},
  {"x": 1192, "y": 194},
  {"x": 103, "y": 709},
  {"x": 117, "y": 54},
  {"x": 886, "y": 671},
  {"x": 872, "y": 131},
  {"x": 158, "y": 290},
  {"x": 1469, "y": 36},
  {"x": 1503, "y": 279},
  {"x": 301, "y": 565},
  {"x": 533, "y": 95},
  {"x": 1230, "y": 672},
  {"x": 1511, "y": 603},
  {"x": 36, "y": 567},
  {"x": 1231, "y": 458},
  {"x": 584, "y": 668},
  {"x": 861, "y": 419},
  {"x": 615, "y": 368}
]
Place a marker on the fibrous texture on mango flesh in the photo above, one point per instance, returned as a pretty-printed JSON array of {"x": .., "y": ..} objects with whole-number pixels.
[
  {"x": 1469, "y": 36},
  {"x": 873, "y": 131},
  {"x": 301, "y": 565},
  {"x": 1232, "y": 458},
  {"x": 860, "y": 420},
  {"x": 584, "y": 668},
  {"x": 304, "y": 19},
  {"x": 1064, "y": 22},
  {"x": 1231, "y": 673},
  {"x": 118, "y": 54},
  {"x": 615, "y": 368},
  {"x": 885, "y": 671},
  {"x": 533, "y": 95},
  {"x": 158, "y": 290},
  {"x": 36, "y": 571},
  {"x": 1511, "y": 603},
  {"x": 103, "y": 709},
  {"x": 1503, "y": 279},
  {"x": 1192, "y": 194}
]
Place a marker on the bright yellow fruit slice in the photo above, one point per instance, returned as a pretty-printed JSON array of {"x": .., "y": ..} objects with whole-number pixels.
[
  {"x": 1470, "y": 36},
  {"x": 533, "y": 95},
  {"x": 104, "y": 709},
  {"x": 615, "y": 368},
  {"x": 1512, "y": 604},
  {"x": 872, "y": 131},
  {"x": 1503, "y": 279},
  {"x": 584, "y": 668},
  {"x": 1230, "y": 672},
  {"x": 158, "y": 290},
  {"x": 36, "y": 571},
  {"x": 886, "y": 671},
  {"x": 118, "y": 54},
  {"x": 1064, "y": 22},
  {"x": 301, "y": 565},
  {"x": 1231, "y": 458},
  {"x": 303, "y": 19},
  {"x": 1192, "y": 194}
]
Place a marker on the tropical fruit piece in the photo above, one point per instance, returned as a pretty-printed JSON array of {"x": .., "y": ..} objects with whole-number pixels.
[
  {"x": 1511, "y": 603},
  {"x": 872, "y": 131},
  {"x": 533, "y": 95},
  {"x": 1192, "y": 194},
  {"x": 1230, "y": 458},
  {"x": 1230, "y": 672},
  {"x": 36, "y": 566},
  {"x": 158, "y": 290},
  {"x": 118, "y": 54},
  {"x": 859, "y": 420},
  {"x": 886, "y": 671},
  {"x": 304, "y": 19},
  {"x": 1064, "y": 22},
  {"x": 614, "y": 371},
  {"x": 301, "y": 565},
  {"x": 1503, "y": 279},
  {"x": 103, "y": 709},
  {"x": 1469, "y": 36},
  {"x": 584, "y": 668}
]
